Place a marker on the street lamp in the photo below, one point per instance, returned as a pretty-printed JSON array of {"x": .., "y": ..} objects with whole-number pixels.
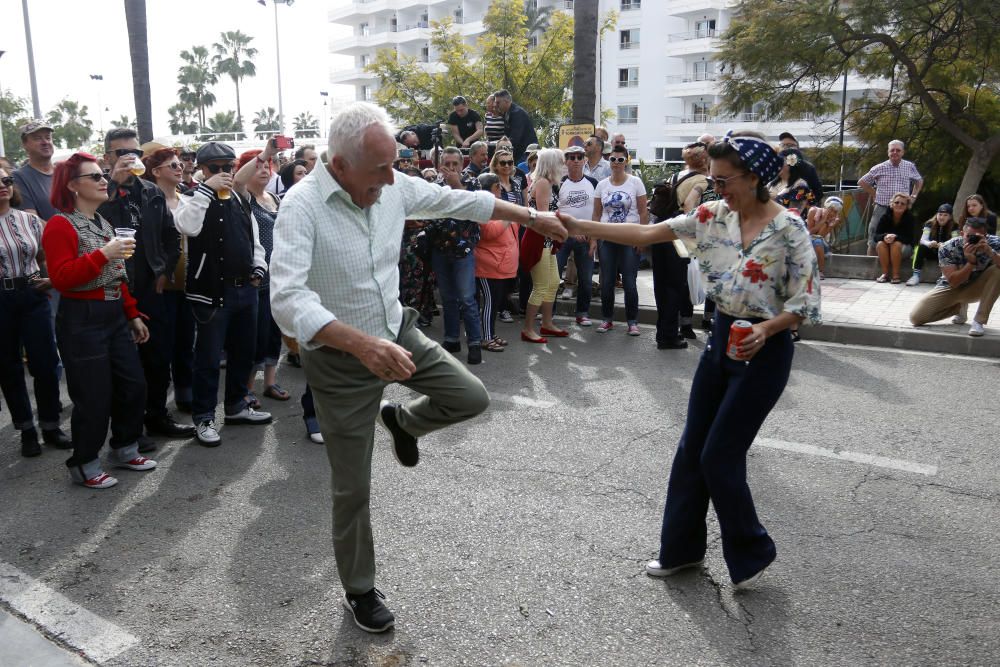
[
  {"x": 3, "y": 150},
  {"x": 277, "y": 52},
  {"x": 100, "y": 107}
]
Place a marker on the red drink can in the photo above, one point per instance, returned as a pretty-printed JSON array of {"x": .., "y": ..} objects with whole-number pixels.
[{"x": 737, "y": 334}]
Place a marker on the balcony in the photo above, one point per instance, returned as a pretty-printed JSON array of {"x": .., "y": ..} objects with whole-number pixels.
[
  {"x": 684, "y": 8},
  {"x": 358, "y": 10},
  {"x": 691, "y": 43},
  {"x": 698, "y": 84},
  {"x": 353, "y": 76},
  {"x": 701, "y": 123},
  {"x": 628, "y": 46}
]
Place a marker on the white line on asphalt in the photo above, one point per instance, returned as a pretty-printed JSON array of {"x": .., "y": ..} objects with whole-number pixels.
[
  {"x": 843, "y": 455},
  {"x": 526, "y": 401},
  {"x": 918, "y": 353},
  {"x": 100, "y": 640}
]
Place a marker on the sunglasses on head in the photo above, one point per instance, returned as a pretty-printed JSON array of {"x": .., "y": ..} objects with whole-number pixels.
[
  {"x": 122, "y": 152},
  {"x": 216, "y": 168},
  {"x": 617, "y": 159},
  {"x": 574, "y": 156},
  {"x": 7, "y": 180},
  {"x": 95, "y": 177}
]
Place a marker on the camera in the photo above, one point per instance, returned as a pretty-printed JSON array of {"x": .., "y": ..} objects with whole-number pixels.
[{"x": 974, "y": 239}]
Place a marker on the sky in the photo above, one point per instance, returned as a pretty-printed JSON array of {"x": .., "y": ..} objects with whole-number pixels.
[{"x": 73, "y": 39}]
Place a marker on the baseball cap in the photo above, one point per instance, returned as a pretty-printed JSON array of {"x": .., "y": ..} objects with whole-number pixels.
[
  {"x": 574, "y": 149},
  {"x": 34, "y": 125},
  {"x": 944, "y": 208},
  {"x": 406, "y": 154},
  {"x": 532, "y": 148}
]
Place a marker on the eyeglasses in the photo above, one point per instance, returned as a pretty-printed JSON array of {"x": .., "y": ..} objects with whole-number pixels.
[
  {"x": 505, "y": 163},
  {"x": 7, "y": 181},
  {"x": 95, "y": 177},
  {"x": 722, "y": 183},
  {"x": 122, "y": 152},
  {"x": 187, "y": 157},
  {"x": 216, "y": 168},
  {"x": 575, "y": 156},
  {"x": 172, "y": 165},
  {"x": 617, "y": 160}
]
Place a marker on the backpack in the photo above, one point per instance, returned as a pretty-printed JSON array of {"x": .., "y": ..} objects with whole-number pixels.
[{"x": 664, "y": 204}]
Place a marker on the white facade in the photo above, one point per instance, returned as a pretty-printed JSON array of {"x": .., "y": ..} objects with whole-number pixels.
[{"x": 657, "y": 68}]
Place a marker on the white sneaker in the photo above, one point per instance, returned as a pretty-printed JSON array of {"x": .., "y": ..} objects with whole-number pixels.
[
  {"x": 317, "y": 438},
  {"x": 976, "y": 329},
  {"x": 914, "y": 280},
  {"x": 567, "y": 293},
  {"x": 958, "y": 319},
  {"x": 249, "y": 416},
  {"x": 654, "y": 569},
  {"x": 207, "y": 434}
]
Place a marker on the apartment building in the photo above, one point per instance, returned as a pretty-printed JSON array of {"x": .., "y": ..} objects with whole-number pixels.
[{"x": 658, "y": 69}]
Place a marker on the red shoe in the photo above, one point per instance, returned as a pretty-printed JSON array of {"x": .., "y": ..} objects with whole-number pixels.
[
  {"x": 527, "y": 339},
  {"x": 555, "y": 333}
]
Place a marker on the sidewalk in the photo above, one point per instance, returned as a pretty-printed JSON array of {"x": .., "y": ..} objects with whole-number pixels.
[{"x": 855, "y": 312}]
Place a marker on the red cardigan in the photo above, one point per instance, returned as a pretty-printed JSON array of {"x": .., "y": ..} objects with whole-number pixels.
[
  {"x": 66, "y": 270},
  {"x": 532, "y": 248}
]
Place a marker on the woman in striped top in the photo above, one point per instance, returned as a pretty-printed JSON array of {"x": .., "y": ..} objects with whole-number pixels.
[{"x": 494, "y": 125}]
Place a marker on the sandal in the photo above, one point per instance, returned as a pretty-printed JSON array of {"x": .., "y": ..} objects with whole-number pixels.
[
  {"x": 896, "y": 280},
  {"x": 493, "y": 346},
  {"x": 882, "y": 279},
  {"x": 277, "y": 393},
  {"x": 500, "y": 341}
]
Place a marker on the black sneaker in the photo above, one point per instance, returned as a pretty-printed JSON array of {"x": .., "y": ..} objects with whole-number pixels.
[
  {"x": 165, "y": 425},
  {"x": 673, "y": 344},
  {"x": 688, "y": 332},
  {"x": 369, "y": 613},
  {"x": 404, "y": 445},
  {"x": 55, "y": 437},
  {"x": 475, "y": 354},
  {"x": 29, "y": 443},
  {"x": 452, "y": 346}
]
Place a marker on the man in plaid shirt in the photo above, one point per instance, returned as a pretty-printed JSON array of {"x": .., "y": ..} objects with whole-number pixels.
[{"x": 886, "y": 179}]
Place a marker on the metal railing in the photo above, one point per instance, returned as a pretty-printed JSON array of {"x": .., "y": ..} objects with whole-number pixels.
[
  {"x": 746, "y": 117},
  {"x": 693, "y": 34},
  {"x": 629, "y": 84},
  {"x": 676, "y": 78},
  {"x": 625, "y": 46}
]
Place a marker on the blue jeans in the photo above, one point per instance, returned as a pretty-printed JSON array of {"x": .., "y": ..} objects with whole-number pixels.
[
  {"x": 729, "y": 402},
  {"x": 25, "y": 317},
  {"x": 268, "y": 346},
  {"x": 584, "y": 271},
  {"x": 456, "y": 279},
  {"x": 233, "y": 327},
  {"x": 617, "y": 258}
]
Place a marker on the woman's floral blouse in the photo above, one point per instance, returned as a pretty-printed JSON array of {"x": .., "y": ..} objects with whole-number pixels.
[{"x": 777, "y": 272}]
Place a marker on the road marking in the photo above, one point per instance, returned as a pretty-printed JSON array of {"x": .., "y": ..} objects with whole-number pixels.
[
  {"x": 526, "y": 401},
  {"x": 915, "y": 353},
  {"x": 844, "y": 455},
  {"x": 99, "y": 639}
]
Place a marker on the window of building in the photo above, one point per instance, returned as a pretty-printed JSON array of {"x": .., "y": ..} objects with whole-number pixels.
[
  {"x": 532, "y": 41},
  {"x": 459, "y": 15},
  {"x": 366, "y": 93},
  {"x": 628, "y": 5},
  {"x": 699, "y": 112},
  {"x": 705, "y": 28},
  {"x": 363, "y": 30},
  {"x": 364, "y": 60},
  {"x": 632, "y": 153},
  {"x": 666, "y": 154},
  {"x": 703, "y": 70},
  {"x": 393, "y": 24},
  {"x": 628, "y": 77},
  {"x": 628, "y": 114},
  {"x": 629, "y": 39},
  {"x": 568, "y": 4},
  {"x": 425, "y": 54}
]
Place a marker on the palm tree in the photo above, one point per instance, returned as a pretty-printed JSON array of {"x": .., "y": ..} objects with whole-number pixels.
[
  {"x": 182, "y": 119},
  {"x": 123, "y": 121},
  {"x": 584, "y": 60},
  {"x": 306, "y": 125},
  {"x": 195, "y": 78},
  {"x": 224, "y": 122},
  {"x": 538, "y": 19},
  {"x": 73, "y": 127},
  {"x": 265, "y": 123},
  {"x": 135, "y": 20},
  {"x": 234, "y": 57}
]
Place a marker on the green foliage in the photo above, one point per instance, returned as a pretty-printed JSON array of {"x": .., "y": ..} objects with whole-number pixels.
[
  {"x": 123, "y": 121},
  {"x": 14, "y": 111},
  {"x": 183, "y": 119},
  {"x": 306, "y": 126},
  {"x": 72, "y": 127},
  {"x": 266, "y": 123},
  {"x": 196, "y": 77},
  {"x": 651, "y": 174},
  {"x": 937, "y": 59},
  {"x": 234, "y": 58},
  {"x": 223, "y": 122},
  {"x": 537, "y": 78}
]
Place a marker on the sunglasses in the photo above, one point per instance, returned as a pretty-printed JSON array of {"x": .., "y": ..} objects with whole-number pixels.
[
  {"x": 723, "y": 183},
  {"x": 122, "y": 152},
  {"x": 505, "y": 163},
  {"x": 172, "y": 165},
  {"x": 575, "y": 156},
  {"x": 7, "y": 181},
  {"x": 95, "y": 177},
  {"x": 617, "y": 160},
  {"x": 216, "y": 168}
]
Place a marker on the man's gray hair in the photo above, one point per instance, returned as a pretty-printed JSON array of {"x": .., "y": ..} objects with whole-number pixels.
[
  {"x": 477, "y": 146},
  {"x": 502, "y": 93},
  {"x": 348, "y": 126},
  {"x": 118, "y": 133},
  {"x": 897, "y": 142},
  {"x": 452, "y": 150}
]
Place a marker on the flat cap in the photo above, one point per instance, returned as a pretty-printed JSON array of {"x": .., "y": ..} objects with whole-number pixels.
[{"x": 215, "y": 150}]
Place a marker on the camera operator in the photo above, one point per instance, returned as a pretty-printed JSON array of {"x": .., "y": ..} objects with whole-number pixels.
[{"x": 970, "y": 272}]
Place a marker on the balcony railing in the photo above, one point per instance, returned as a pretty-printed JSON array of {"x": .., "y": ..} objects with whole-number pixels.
[
  {"x": 693, "y": 34},
  {"x": 692, "y": 79},
  {"x": 745, "y": 117},
  {"x": 628, "y": 45},
  {"x": 628, "y": 5},
  {"x": 628, "y": 84}
]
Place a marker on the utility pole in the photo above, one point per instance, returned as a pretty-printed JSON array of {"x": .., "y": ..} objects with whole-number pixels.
[
  {"x": 31, "y": 61},
  {"x": 3, "y": 150}
]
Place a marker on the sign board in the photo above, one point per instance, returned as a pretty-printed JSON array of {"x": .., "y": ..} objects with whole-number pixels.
[{"x": 574, "y": 135}]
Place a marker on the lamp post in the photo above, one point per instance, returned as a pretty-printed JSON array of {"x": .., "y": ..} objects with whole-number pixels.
[
  {"x": 277, "y": 52},
  {"x": 100, "y": 107},
  {"x": 31, "y": 61},
  {"x": 326, "y": 99},
  {"x": 3, "y": 150}
]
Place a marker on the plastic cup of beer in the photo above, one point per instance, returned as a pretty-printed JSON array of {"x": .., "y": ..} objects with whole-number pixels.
[
  {"x": 224, "y": 193},
  {"x": 126, "y": 233},
  {"x": 137, "y": 168}
]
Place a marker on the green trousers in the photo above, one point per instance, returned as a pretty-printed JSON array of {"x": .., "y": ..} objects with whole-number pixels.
[{"x": 347, "y": 398}]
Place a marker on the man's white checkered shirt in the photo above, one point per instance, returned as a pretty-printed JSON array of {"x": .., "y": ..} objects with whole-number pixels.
[
  {"x": 335, "y": 261},
  {"x": 888, "y": 179}
]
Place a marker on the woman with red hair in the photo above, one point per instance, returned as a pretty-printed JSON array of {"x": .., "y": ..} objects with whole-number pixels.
[
  {"x": 252, "y": 176},
  {"x": 97, "y": 326}
]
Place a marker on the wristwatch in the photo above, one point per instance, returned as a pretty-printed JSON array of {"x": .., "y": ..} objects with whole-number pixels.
[{"x": 532, "y": 217}]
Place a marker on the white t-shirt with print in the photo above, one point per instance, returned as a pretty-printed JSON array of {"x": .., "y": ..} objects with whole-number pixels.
[
  {"x": 620, "y": 202},
  {"x": 576, "y": 198}
]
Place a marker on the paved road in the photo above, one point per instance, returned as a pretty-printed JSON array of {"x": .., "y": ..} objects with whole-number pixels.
[{"x": 520, "y": 537}]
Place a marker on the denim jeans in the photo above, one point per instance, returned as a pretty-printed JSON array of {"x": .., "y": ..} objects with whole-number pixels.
[
  {"x": 103, "y": 374},
  {"x": 584, "y": 271},
  {"x": 268, "y": 346},
  {"x": 25, "y": 318},
  {"x": 617, "y": 258},
  {"x": 233, "y": 328},
  {"x": 456, "y": 280}
]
